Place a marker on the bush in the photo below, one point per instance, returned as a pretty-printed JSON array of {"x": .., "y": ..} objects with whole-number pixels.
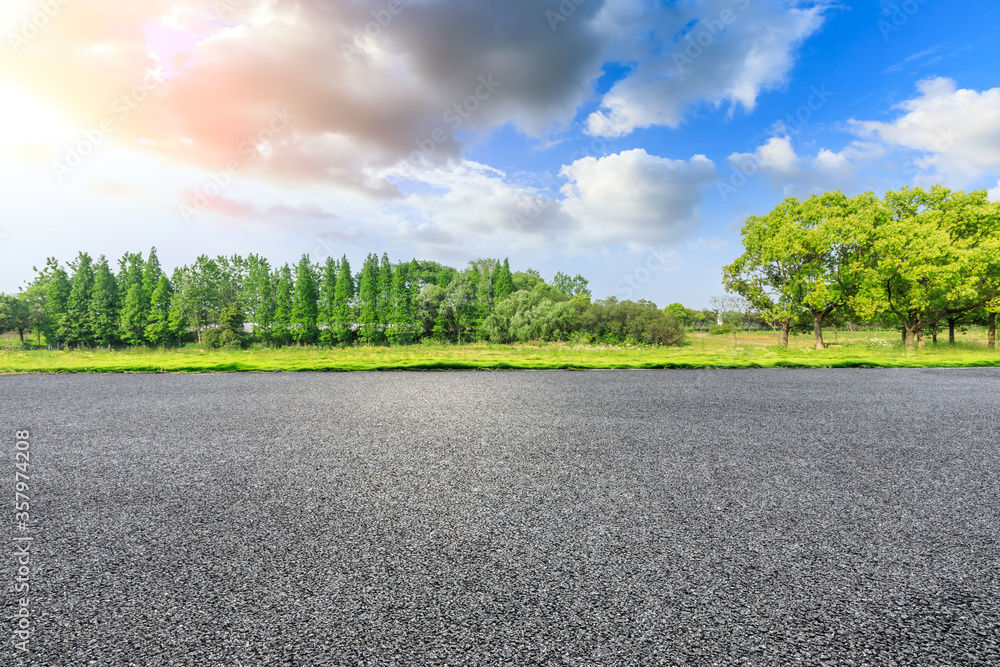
[
  {"x": 229, "y": 334},
  {"x": 721, "y": 331},
  {"x": 210, "y": 339}
]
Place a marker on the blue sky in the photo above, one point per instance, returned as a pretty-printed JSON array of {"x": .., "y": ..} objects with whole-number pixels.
[{"x": 626, "y": 140}]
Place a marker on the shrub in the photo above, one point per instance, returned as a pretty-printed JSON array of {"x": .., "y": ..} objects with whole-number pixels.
[{"x": 721, "y": 331}]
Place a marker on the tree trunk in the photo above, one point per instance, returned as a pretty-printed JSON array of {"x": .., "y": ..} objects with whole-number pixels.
[
  {"x": 920, "y": 339},
  {"x": 21, "y": 334},
  {"x": 951, "y": 331},
  {"x": 992, "y": 336},
  {"x": 785, "y": 327},
  {"x": 934, "y": 334},
  {"x": 904, "y": 334},
  {"x": 818, "y": 331},
  {"x": 910, "y": 337}
]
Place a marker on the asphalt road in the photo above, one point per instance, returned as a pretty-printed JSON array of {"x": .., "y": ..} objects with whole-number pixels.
[{"x": 518, "y": 518}]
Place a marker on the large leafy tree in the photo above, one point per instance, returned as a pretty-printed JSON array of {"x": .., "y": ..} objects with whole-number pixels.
[
  {"x": 459, "y": 309},
  {"x": 936, "y": 255},
  {"x": 804, "y": 258},
  {"x": 44, "y": 312},
  {"x": 15, "y": 315},
  {"x": 571, "y": 286},
  {"x": 304, "y": 304}
]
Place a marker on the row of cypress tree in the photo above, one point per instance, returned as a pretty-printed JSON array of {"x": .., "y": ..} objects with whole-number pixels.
[{"x": 87, "y": 303}]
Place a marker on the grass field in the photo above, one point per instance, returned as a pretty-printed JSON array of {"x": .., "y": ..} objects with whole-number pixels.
[{"x": 751, "y": 350}]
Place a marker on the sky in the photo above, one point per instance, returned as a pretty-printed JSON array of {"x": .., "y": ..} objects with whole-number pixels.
[{"x": 624, "y": 140}]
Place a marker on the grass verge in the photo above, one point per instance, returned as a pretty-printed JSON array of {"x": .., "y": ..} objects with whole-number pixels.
[{"x": 695, "y": 353}]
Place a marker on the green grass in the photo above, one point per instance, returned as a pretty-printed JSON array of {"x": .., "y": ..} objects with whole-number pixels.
[{"x": 869, "y": 350}]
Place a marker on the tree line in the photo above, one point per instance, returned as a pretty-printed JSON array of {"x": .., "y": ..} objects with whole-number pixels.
[
  {"x": 920, "y": 257},
  {"x": 233, "y": 301}
]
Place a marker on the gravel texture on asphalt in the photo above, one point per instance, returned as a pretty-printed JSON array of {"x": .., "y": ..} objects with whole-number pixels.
[{"x": 758, "y": 517}]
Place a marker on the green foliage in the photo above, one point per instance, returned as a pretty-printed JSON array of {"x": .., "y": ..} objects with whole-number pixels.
[
  {"x": 284, "y": 302},
  {"x": 504, "y": 285},
  {"x": 74, "y": 326},
  {"x": 327, "y": 306},
  {"x": 102, "y": 310},
  {"x": 526, "y": 280},
  {"x": 570, "y": 287},
  {"x": 527, "y": 315},
  {"x": 368, "y": 302},
  {"x": 133, "y": 316},
  {"x": 304, "y": 304},
  {"x": 343, "y": 312},
  {"x": 384, "y": 301},
  {"x": 159, "y": 331},
  {"x": 402, "y": 322},
  {"x": 15, "y": 315},
  {"x": 723, "y": 330},
  {"x": 682, "y": 314}
]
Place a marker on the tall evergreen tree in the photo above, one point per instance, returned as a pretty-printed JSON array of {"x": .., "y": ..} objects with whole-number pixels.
[
  {"x": 504, "y": 283},
  {"x": 158, "y": 330},
  {"x": 343, "y": 312},
  {"x": 384, "y": 296},
  {"x": 257, "y": 295},
  {"x": 327, "y": 303},
  {"x": 134, "y": 314},
  {"x": 368, "y": 301},
  {"x": 304, "y": 304},
  {"x": 74, "y": 326},
  {"x": 131, "y": 268},
  {"x": 401, "y": 319},
  {"x": 56, "y": 297},
  {"x": 283, "y": 301},
  {"x": 103, "y": 307},
  {"x": 178, "y": 319}
]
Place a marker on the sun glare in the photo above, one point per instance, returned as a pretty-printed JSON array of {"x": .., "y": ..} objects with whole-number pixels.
[{"x": 25, "y": 120}]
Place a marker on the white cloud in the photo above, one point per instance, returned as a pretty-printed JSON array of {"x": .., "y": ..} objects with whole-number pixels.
[
  {"x": 634, "y": 198},
  {"x": 465, "y": 209},
  {"x": 711, "y": 51},
  {"x": 795, "y": 175},
  {"x": 995, "y": 192},
  {"x": 955, "y": 131}
]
